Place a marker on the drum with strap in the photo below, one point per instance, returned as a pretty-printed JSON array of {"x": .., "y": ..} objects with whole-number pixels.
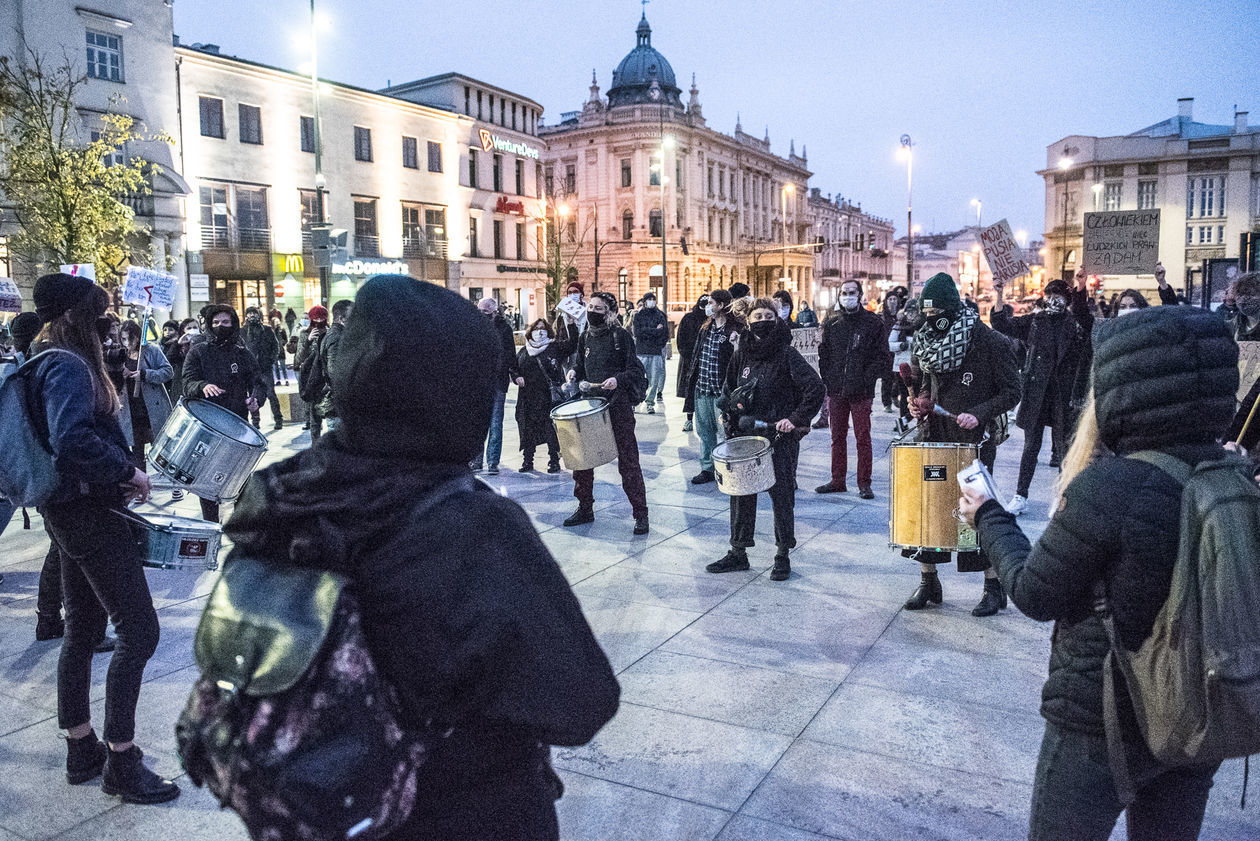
[
  {"x": 744, "y": 465},
  {"x": 585, "y": 432},
  {"x": 924, "y": 496},
  {"x": 207, "y": 450}
]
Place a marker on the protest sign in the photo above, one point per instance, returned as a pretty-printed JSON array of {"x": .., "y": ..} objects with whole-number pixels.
[
  {"x": 1005, "y": 257},
  {"x": 1248, "y": 366},
  {"x": 10, "y": 298},
  {"x": 79, "y": 270},
  {"x": 573, "y": 309},
  {"x": 1121, "y": 242},
  {"x": 150, "y": 289}
]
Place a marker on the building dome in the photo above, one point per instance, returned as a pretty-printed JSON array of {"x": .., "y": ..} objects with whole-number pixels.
[{"x": 632, "y": 80}]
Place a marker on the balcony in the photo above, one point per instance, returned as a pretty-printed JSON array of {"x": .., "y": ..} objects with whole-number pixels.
[
  {"x": 367, "y": 246},
  {"x": 242, "y": 239},
  {"x": 253, "y": 239},
  {"x": 432, "y": 247}
]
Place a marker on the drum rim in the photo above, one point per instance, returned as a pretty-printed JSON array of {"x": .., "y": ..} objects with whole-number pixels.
[
  {"x": 949, "y": 445},
  {"x": 195, "y": 524},
  {"x": 767, "y": 447},
  {"x": 192, "y": 406},
  {"x": 600, "y": 405}
]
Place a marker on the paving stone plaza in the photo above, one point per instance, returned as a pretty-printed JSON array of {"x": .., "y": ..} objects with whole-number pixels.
[{"x": 811, "y": 709}]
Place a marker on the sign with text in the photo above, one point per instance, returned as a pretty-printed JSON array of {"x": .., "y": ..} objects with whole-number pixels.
[
  {"x": 573, "y": 309},
  {"x": 148, "y": 288},
  {"x": 1121, "y": 242},
  {"x": 1248, "y": 368},
  {"x": 87, "y": 270},
  {"x": 199, "y": 287},
  {"x": 1005, "y": 257},
  {"x": 10, "y": 298}
]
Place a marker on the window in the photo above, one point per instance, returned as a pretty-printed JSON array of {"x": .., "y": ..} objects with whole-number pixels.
[
  {"x": 253, "y": 231},
  {"x": 520, "y": 177},
  {"x": 626, "y": 179},
  {"x": 502, "y": 112},
  {"x": 250, "y": 124},
  {"x": 473, "y": 250},
  {"x": 520, "y": 241},
  {"x": 306, "y": 128},
  {"x": 472, "y": 167},
  {"x": 498, "y": 239},
  {"x": 1146, "y": 195},
  {"x": 627, "y": 225},
  {"x": 362, "y": 144},
  {"x": 467, "y": 100},
  {"x": 1111, "y": 195},
  {"x": 538, "y": 179},
  {"x": 104, "y": 56},
  {"x": 310, "y": 215},
  {"x": 710, "y": 179},
  {"x": 435, "y": 156},
  {"x": 479, "y": 105},
  {"x": 722, "y": 183},
  {"x": 654, "y": 173},
  {"x": 570, "y": 179},
  {"x": 1205, "y": 197},
  {"x": 435, "y": 230},
  {"x": 550, "y": 182},
  {"x": 513, "y": 115},
  {"x": 410, "y": 155},
  {"x": 498, "y": 173},
  {"x": 211, "y": 116},
  {"x": 114, "y": 157},
  {"x": 570, "y": 228},
  {"x": 214, "y": 216},
  {"x": 491, "y": 107},
  {"x": 412, "y": 230},
  {"x": 654, "y": 223},
  {"x": 366, "y": 242}
]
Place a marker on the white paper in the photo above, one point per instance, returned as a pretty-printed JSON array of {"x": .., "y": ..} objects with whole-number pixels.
[{"x": 147, "y": 288}]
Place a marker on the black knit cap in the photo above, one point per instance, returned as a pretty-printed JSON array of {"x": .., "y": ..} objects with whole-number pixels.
[
  {"x": 1057, "y": 287},
  {"x": 739, "y": 290},
  {"x": 55, "y": 294},
  {"x": 1164, "y": 376},
  {"x": 414, "y": 373},
  {"x": 24, "y": 328}
]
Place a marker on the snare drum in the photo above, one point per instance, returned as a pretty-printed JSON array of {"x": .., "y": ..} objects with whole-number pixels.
[
  {"x": 925, "y": 497},
  {"x": 179, "y": 543},
  {"x": 744, "y": 465},
  {"x": 585, "y": 433},
  {"x": 207, "y": 450}
]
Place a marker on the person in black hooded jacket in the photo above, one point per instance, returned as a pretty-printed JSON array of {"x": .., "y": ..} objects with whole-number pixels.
[
  {"x": 475, "y": 627},
  {"x": 786, "y": 393},
  {"x": 1164, "y": 380}
]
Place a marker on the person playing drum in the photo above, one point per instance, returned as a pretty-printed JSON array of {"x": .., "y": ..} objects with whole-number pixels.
[
  {"x": 770, "y": 390},
  {"x": 965, "y": 368}
]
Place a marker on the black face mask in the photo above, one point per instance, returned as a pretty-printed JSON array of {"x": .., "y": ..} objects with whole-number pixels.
[
  {"x": 223, "y": 333},
  {"x": 103, "y": 326},
  {"x": 597, "y": 319},
  {"x": 761, "y": 330},
  {"x": 938, "y": 325}
]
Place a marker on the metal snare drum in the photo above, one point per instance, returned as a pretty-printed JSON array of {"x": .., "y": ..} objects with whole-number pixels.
[
  {"x": 207, "y": 450},
  {"x": 180, "y": 543},
  {"x": 744, "y": 465},
  {"x": 925, "y": 495},
  {"x": 585, "y": 432}
]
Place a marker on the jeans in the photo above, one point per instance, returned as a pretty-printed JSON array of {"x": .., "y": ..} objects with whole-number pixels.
[
  {"x": 101, "y": 576},
  {"x": 841, "y": 409},
  {"x": 273, "y": 401},
  {"x": 782, "y": 497},
  {"x": 654, "y": 367},
  {"x": 281, "y": 370},
  {"x": 1032, "y": 449},
  {"x": 708, "y": 427},
  {"x": 621, "y": 416},
  {"x": 1074, "y": 797},
  {"x": 494, "y": 436}
]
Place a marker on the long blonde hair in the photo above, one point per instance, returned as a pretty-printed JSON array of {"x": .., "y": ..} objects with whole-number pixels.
[{"x": 1086, "y": 448}]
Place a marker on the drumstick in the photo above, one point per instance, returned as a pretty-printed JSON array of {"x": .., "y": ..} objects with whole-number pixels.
[
  {"x": 907, "y": 377},
  {"x": 1247, "y": 423}
]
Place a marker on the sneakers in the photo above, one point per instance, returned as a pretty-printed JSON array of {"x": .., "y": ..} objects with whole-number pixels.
[
  {"x": 1018, "y": 505},
  {"x": 831, "y": 488},
  {"x": 688, "y": 426},
  {"x": 993, "y": 600},
  {"x": 704, "y": 477},
  {"x": 733, "y": 561},
  {"x": 782, "y": 568},
  {"x": 866, "y": 493},
  {"x": 279, "y": 426},
  {"x": 928, "y": 592},
  {"x": 49, "y": 627},
  {"x": 126, "y": 777},
  {"x": 85, "y": 758},
  {"x": 640, "y": 525},
  {"x": 579, "y": 517},
  {"x": 651, "y": 408},
  {"x": 888, "y": 408},
  {"x": 493, "y": 470}
]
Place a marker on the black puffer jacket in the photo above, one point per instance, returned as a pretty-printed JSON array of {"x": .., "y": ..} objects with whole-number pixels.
[
  {"x": 224, "y": 362},
  {"x": 787, "y": 387},
  {"x": 1120, "y": 518}
]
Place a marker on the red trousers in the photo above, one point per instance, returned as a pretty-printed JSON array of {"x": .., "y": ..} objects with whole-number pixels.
[{"x": 840, "y": 409}]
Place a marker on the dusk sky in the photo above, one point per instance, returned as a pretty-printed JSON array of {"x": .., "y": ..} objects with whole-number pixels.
[{"x": 981, "y": 87}]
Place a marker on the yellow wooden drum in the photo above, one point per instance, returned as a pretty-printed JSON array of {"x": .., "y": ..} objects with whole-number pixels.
[{"x": 925, "y": 497}]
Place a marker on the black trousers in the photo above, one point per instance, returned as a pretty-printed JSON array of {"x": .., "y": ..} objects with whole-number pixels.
[
  {"x": 621, "y": 416},
  {"x": 1032, "y": 449},
  {"x": 273, "y": 401},
  {"x": 101, "y": 578},
  {"x": 787, "y": 450},
  {"x": 48, "y": 601}
]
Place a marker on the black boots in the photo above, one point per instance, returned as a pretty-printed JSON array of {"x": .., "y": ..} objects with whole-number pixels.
[
  {"x": 641, "y": 525},
  {"x": 782, "y": 567},
  {"x": 580, "y": 516},
  {"x": 527, "y": 466},
  {"x": 553, "y": 465},
  {"x": 126, "y": 777},
  {"x": 704, "y": 477},
  {"x": 993, "y": 600},
  {"x": 733, "y": 561},
  {"x": 928, "y": 592},
  {"x": 84, "y": 758}
]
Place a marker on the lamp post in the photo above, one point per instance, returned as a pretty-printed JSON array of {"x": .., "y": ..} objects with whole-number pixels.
[
  {"x": 1065, "y": 163},
  {"x": 977, "y": 204},
  {"x": 595, "y": 282},
  {"x": 657, "y": 94},
  {"x": 789, "y": 187},
  {"x": 907, "y": 149},
  {"x": 325, "y": 272}
]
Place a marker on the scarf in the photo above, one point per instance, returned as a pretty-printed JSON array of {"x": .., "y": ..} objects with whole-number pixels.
[
  {"x": 942, "y": 354},
  {"x": 534, "y": 349}
]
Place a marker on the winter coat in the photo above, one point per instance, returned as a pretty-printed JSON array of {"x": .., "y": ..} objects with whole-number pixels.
[
  {"x": 260, "y": 339},
  {"x": 685, "y": 338},
  {"x": 155, "y": 373},
  {"x": 651, "y": 331},
  {"x": 984, "y": 385},
  {"x": 807, "y": 318},
  {"x": 1055, "y": 375},
  {"x": 533, "y": 400},
  {"x": 507, "y": 359},
  {"x": 328, "y": 349},
  {"x": 229, "y": 365},
  {"x": 475, "y": 627},
  {"x": 853, "y": 353},
  {"x": 787, "y": 387},
  {"x": 312, "y": 376},
  {"x": 609, "y": 352},
  {"x": 1252, "y": 438}
]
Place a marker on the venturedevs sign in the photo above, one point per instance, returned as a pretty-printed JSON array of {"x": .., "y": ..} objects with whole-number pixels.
[{"x": 494, "y": 142}]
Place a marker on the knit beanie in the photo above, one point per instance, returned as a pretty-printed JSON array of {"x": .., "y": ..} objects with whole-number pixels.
[
  {"x": 574, "y": 286},
  {"x": 940, "y": 292},
  {"x": 55, "y": 294},
  {"x": 1057, "y": 287},
  {"x": 739, "y": 290},
  {"x": 24, "y": 328},
  {"x": 410, "y": 376}
]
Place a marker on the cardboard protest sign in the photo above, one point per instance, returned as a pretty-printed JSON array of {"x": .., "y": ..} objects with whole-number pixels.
[
  {"x": 87, "y": 270},
  {"x": 10, "y": 298},
  {"x": 573, "y": 309},
  {"x": 1005, "y": 257},
  {"x": 1248, "y": 366},
  {"x": 1121, "y": 242},
  {"x": 147, "y": 288}
]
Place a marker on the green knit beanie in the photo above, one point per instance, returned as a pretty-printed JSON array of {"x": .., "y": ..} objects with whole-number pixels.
[{"x": 940, "y": 292}]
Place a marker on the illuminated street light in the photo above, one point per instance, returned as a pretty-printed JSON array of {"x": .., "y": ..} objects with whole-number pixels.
[
  {"x": 977, "y": 204},
  {"x": 1065, "y": 163},
  {"x": 907, "y": 152},
  {"x": 789, "y": 187}
]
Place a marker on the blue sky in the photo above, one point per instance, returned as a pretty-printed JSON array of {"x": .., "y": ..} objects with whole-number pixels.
[{"x": 982, "y": 87}]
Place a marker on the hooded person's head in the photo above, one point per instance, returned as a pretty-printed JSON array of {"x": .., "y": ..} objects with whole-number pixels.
[
  {"x": 253, "y": 315},
  {"x": 939, "y": 303},
  {"x": 410, "y": 377},
  {"x": 783, "y": 299},
  {"x": 767, "y": 332},
  {"x": 223, "y": 324},
  {"x": 24, "y": 328},
  {"x": 318, "y": 316},
  {"x": 1056, "y": 294}
]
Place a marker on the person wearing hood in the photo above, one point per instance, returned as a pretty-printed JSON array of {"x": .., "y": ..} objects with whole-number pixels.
[
  {"x": 311, "y": 377},
  {"x": 1116, "y": 520},
  {"x": 1055, "y": 374},
  {"x": 852, "y": 356},
  {"x": 607, "y": 361},
  {"x": 892, "y": 391},
  {"x": 786, "y": 393},
  {"x": 711, "y": 357},
  {"x": 968, "y": 369},
  {"x": 651, "y": 333},
  {"x": 260, "y": 340},
  {"x": 22, "y": 329},
  {"x": 503, "y": 366},
  {"x": 688, "y": 331},
  {"x": 806, "y": 317},
  {"x": 783, "y": 300},
  {"x": 539, "y": 381},
  {"x": 475, "y": 628},
  {"x": 1242, "y": 307},
  {"x": 224, "y": 372}
]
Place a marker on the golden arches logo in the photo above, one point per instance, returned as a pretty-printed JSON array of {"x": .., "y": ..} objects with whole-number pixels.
[{"x": 291, "y": 264}]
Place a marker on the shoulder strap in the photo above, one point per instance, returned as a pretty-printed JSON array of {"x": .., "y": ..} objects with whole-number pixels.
[{"x": 1173, "y": 466}]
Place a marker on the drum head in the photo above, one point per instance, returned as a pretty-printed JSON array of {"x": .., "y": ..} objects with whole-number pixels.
[
  {"x": 580, "y": 407},
  {"x": 225, "y": 423},
  {"x": 737, "y": 449}
]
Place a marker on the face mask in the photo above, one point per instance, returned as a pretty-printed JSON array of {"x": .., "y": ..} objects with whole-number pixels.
[
  {"x": 540, "y": 335},
  {"x": 761, "y": 330},
  {"x": 597, "y": 319},
  {"x": 575, "y": 297},
  {"x": 222, "y": 332},
  {"x": 1056, "y": 304},
  {"x": 306, "y": 322},
  {"x": 849, "y": 302},
  {"x": 938, "y": 324},
  {"x": 254, "y": 319},
  {"x": 649, "y": 305},
  {"x": 192, "y": 331},
  {"x": 103, "y": 326},
  {"x": 710, "y": 311},
  {"x": 1126, "y": 311},
  {"x": 784, "y": 312}
]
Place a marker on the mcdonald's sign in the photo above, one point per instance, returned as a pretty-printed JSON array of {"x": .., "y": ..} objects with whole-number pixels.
[{"x": 288, "y": 264}]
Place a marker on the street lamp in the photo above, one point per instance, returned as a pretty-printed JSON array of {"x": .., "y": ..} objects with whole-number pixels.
[
  {"x": 789, "y": 187},
  {"x": 1065, "y": 163},
  {"x": 657, "y": 94},
  {"x": 907, "y": 147},
  {"x": 325, "y": 272},
  {"x": 977, "y": 204}
]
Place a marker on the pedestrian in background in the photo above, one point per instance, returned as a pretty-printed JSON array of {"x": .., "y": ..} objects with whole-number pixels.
[
  {"x": 290, "y": 318},
  {"x": 503, "y": 365},
  {"x": 806, "y": 317},
  {"x": 260, "y": 340},
  {"x": 688, "y": 331},
  {"x": 892, "y": 391},
  {"x": 715, "y": 345},
  {"x": 540, "y": 384},
  {"x": 651, "y": 334},
  {"x": 783, "y": 300},
  {"x": 1244, "y": 314},
  {"x": 281, "y": 372},
  {"x": 327, "y": 353},
  {"x": 312, "y": 379},
  {"x": 144, "y": 404}
]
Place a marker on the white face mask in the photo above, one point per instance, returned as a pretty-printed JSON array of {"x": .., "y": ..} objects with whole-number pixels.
[
  {"x": 540, "y": 335},
  {"x": 849, "y": 302},
  {"x": 1126, "y": 311},
  {"x": 575, "y": 297},
  {"x": 649, "y": 305},
  {"x": 784, "y": 312},
  {"x": 709, "y": 310}
]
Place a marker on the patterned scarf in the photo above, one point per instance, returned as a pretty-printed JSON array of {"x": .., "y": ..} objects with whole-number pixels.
[{"x": 942, "y": 354}]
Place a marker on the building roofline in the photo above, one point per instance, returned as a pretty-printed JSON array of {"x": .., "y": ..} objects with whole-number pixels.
[{"x": 429, "y": 81}]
